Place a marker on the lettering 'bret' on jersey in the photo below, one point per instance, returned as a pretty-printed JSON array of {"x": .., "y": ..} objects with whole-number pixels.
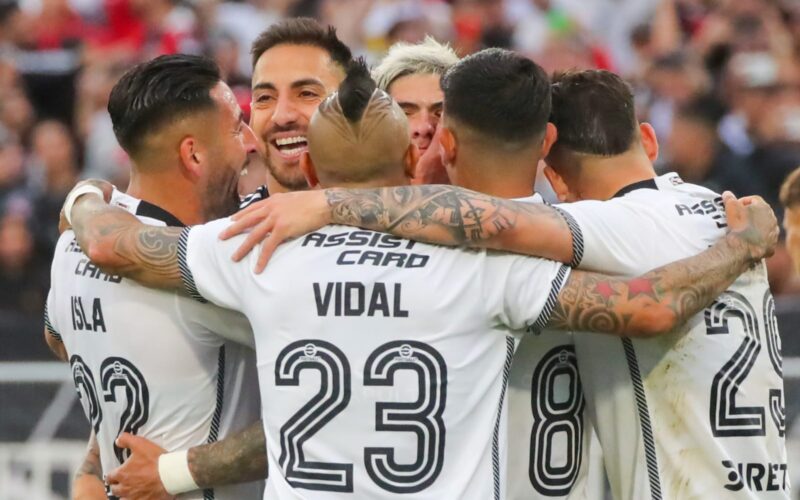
[
  {"x": 698, "y": 413},
  {"x": 552, "y": 454},
  {"x": 143, "y": 362},
  {"x": 382, "y": 362}
]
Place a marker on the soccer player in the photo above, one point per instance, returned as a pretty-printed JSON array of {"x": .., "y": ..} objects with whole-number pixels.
[
  {"x": 384, "y": 362},
  {"x": 410, "y": 73},
  {"x": 698, "y": 413},
  {"x": 701, "y": 411},
  {"x": 495, "y": 131},
  {"x": 296, "y": 64},
  {"x": 494, "y": 134},
  {"x": 148, "y": 362}
]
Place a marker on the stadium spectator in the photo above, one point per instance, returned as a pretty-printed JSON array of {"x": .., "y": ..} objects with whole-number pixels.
[
  {"x": 23, "y": 275},
  {"x": 698, "y": 154},
  {"x": 12, "y": 162},
  {"x": 53, "y": 170}
]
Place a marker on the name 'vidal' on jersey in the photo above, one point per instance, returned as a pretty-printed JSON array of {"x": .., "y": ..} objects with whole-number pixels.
[{"x": 384, "y": 362}]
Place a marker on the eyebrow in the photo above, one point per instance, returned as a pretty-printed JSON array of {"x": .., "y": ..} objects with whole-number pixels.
[
  {"x": 294, "y": 85},
  {"x": 409, "y": 104}
]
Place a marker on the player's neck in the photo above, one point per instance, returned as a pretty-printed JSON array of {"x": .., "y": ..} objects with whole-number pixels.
[
  {"x": 503, "y": 179},
  {"x": 389, "y": 180},
  {"x": 602, "y": 178},
  {"x": 168, "y": 192}
]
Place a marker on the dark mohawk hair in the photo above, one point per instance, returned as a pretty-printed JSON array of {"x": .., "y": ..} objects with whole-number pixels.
[{"x": 356, "y": 90}]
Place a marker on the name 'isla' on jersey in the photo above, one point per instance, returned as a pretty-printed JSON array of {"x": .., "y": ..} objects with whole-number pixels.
[{"x": 150, "y": 362}]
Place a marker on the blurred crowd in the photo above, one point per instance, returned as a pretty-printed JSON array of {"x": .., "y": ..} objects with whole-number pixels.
[{"x": 718, "y": 79}]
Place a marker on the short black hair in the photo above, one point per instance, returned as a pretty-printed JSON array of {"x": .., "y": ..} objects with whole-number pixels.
[
  {"x": 303, "y": 31},
  {"x": 356, "y": 90},
  {"x": 593, "y": 112},
  {"x": 499, "y": 94},
  {"x": 157, "y": 92}
]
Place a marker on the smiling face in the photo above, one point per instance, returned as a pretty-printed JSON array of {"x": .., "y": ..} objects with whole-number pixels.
[
  {"x": 420, "y": 97},
  {"x": 228, "y": 152},
  {"x": 289, "y": 82}
]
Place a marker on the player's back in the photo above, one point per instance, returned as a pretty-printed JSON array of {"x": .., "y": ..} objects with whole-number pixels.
[
  {"x": 142, "y": 365},
  {"x": 707, "y": 400},
  {"x": 383, "y": 361},
  {"x": 554, "y": 454}
]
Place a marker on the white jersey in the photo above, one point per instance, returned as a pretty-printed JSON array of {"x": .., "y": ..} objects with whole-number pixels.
[
  {"x": 697, "y": 414},
  {"x": 143, "y": 363},
  {"x": 384, "y": 362},
  {"x": 552, "y": 454}
]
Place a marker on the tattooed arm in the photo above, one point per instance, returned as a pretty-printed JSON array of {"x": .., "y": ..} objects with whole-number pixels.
[
  {"x": 445, "y": 215},
  {"x": 88, "y": 484},
  {"x": 236, "y": 459},
  {"x": 665, "y": 298},
  {"x": 120, "y": 244},
  {"x": 654, "y": 303}
]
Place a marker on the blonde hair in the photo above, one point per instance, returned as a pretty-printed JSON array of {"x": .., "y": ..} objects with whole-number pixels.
[{"x": 428, "y": 57}]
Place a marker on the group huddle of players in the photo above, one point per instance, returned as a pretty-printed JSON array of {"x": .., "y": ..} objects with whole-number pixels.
[{"x": 631, "y": 335}]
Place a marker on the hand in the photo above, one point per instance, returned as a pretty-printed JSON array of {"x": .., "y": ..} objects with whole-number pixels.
[
  {"x": 138, "y": 477},
  {"x": 429, "y": 168},
  {"x": 753, "y": 222},
  {"x": 106, "y": 187},
  {"x": 272, "y": 221}
]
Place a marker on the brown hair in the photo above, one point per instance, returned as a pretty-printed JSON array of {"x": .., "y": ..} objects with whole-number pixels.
[
  {"x": 790, "y": 189},
  {"x": 303, "y": 31}
]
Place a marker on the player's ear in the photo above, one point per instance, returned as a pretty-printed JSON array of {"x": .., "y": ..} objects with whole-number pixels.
[
  {"x": 448, "y": 147},
  {"x": 557, "y": 182},
  {"x": 410, "y": 160},
  {"x": 309, "y": 171},
  {"x": 649, "y": 140},
  {"x": 192, "y": 156},
  {"x": 550, "y": 137}
]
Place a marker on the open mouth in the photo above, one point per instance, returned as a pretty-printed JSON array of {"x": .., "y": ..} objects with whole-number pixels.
[{"x": 290, "y": 147}]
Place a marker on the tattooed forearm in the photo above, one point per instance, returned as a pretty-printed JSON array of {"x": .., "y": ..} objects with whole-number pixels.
[
  {"x": 236, "y": 459},
  {"x": 120, "y": 244},
  {"x": 91, "y": 464},
  {"x": 454, "y": 216},
  {"x": 654, "y": 303}
]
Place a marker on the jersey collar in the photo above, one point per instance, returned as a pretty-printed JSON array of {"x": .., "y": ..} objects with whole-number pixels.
[
  {"x": 645, "y": 184},
  {"x": 147, "y": 209}
]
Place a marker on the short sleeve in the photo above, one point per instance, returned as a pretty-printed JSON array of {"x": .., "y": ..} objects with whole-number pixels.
[
  {"x": 48, "y": 321},
  {"x": 213, "y": 325},
  {"x": 522, "y": 292},
  {"x": 610, "y": 237},
  {"x": 207, "y": 270}
]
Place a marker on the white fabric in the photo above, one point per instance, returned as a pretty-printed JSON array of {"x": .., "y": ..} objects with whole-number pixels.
[
  {"x": 173, "y": 469},
  {"x": 443, "y": 310},
  {"x": 131, "y": 338},
  {"x": 552, "y": 454},
  {"x": 670, "y": 380},
  {"x": 76, "y": 193}
]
